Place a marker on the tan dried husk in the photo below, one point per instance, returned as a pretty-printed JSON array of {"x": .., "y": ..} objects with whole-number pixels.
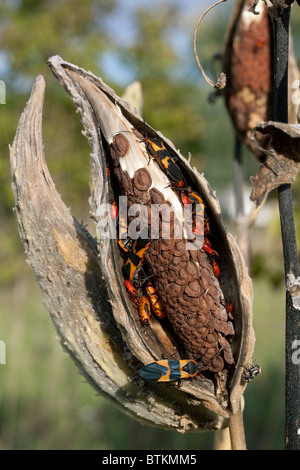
[{"x": 106, "y": 342}]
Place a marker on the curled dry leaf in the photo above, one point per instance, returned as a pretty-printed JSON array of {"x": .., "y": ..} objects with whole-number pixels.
[
  {"x": 247, "y": 58},
  {"x": 96, "y": 319},
  {"x": 282, "y": 163}
]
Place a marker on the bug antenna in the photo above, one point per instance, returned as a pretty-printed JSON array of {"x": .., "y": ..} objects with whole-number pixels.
[
  {"x": 140, "y": 282},
  {"x": 210, "y": 359}
]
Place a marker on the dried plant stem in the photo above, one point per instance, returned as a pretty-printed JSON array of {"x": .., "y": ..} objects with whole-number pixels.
[
  {"x": 242, "y": 221},
  {"x": 238, "y": 177},
  {"x": 280, "y": 19},
  {"x": 221, "y": 82},
  {"x": 222, "y": 440},
  {"x": 236, "y": 429},
  {"x": 236, "y": 424}
]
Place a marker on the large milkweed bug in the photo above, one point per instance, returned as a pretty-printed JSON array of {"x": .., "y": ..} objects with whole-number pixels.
[
  {"x": 168, "y": 370},
  {"x": 229, "y": 307},
  {"x": 114, "y": 210},
  {"x": 199, "y": 212},
  {"x": 179, "y": 184},
  {"x": 208, "y": 248},
  {"x": 158, "y": 151},
  {"x": 215, "y": 267},
  {"x": 124, "y": 242},
  {"x": 144, "y": 310},
  {"x": 206, "y": 226},
  {"x": 135, "y": 258},
  {"x": 132, "y": 292},
  {"x": 155, "y": 301},
  {"x": 184, "y": 198},
  {"x": 195, "y": 198}
]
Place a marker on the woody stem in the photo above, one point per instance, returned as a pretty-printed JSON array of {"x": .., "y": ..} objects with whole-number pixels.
[{"x": 280, "y": 15}]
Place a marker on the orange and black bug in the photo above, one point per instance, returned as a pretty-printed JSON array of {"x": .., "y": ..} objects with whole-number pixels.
[
  {"x": 132, "y": 292},
  {"x": 200, "y": 217},
  {"x": 216, "y": 268},
  {"x": 208, "y": 248},
  {"x": 124, "y": 242},
  {"x": 184, "y": 198},
  {"x": 114, "y": 210},
  {"x": 179, "y": 184},
  {"x": 195, "y": 198},
  {"x": 206, "y": 226},
  {"x": 144, "y": 310},
  {"x": 155, "y": 301},
  {"x": 229, "y": 308},
  {"x": 135, "y": 258},
  {"x": 168, "y": 370},
  {"x": 158, "y": 151}
]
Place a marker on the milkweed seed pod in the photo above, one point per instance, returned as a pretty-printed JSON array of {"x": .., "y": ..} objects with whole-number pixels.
[
  {"x": 247, "y": 60},
  {"x": 106, "y": 338}
]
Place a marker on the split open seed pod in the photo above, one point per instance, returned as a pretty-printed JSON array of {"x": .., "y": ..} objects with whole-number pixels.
[
  {"x": 96, "y": 320},
  {"x": 247, "y": 60}
]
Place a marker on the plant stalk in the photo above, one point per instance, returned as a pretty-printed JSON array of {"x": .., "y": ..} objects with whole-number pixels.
[
  {"x": 280, "y": 15},
  {"x": 241, "y": 219}
]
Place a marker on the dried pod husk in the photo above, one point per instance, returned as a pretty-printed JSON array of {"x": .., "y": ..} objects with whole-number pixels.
[
  {"x": 247, "y": 60},
  {"x": 109, "y": 122},
  {"x": 64, "y": 259},
  {"x": 85, "y": 296},
  {"x": 282, "y": 158}
]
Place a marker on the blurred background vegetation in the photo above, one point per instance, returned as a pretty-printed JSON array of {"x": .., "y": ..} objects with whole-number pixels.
[{"x": 44, "y": 402}]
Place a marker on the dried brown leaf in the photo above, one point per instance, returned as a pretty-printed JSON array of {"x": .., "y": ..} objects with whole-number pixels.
[{"x": 282, "y": 158}]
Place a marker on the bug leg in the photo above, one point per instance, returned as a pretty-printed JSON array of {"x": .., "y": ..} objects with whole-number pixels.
[{"x": 138, "y": 283}]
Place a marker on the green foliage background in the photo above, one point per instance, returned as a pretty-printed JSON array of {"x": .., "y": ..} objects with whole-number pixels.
[{"x": 44, "y": 403}]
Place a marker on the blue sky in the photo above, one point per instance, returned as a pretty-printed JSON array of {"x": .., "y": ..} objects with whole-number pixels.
[{"x": 121, "y": 26}]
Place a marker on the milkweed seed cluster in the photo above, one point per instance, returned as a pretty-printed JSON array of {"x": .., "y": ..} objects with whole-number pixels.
[{"x": 163, "y": 275}]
